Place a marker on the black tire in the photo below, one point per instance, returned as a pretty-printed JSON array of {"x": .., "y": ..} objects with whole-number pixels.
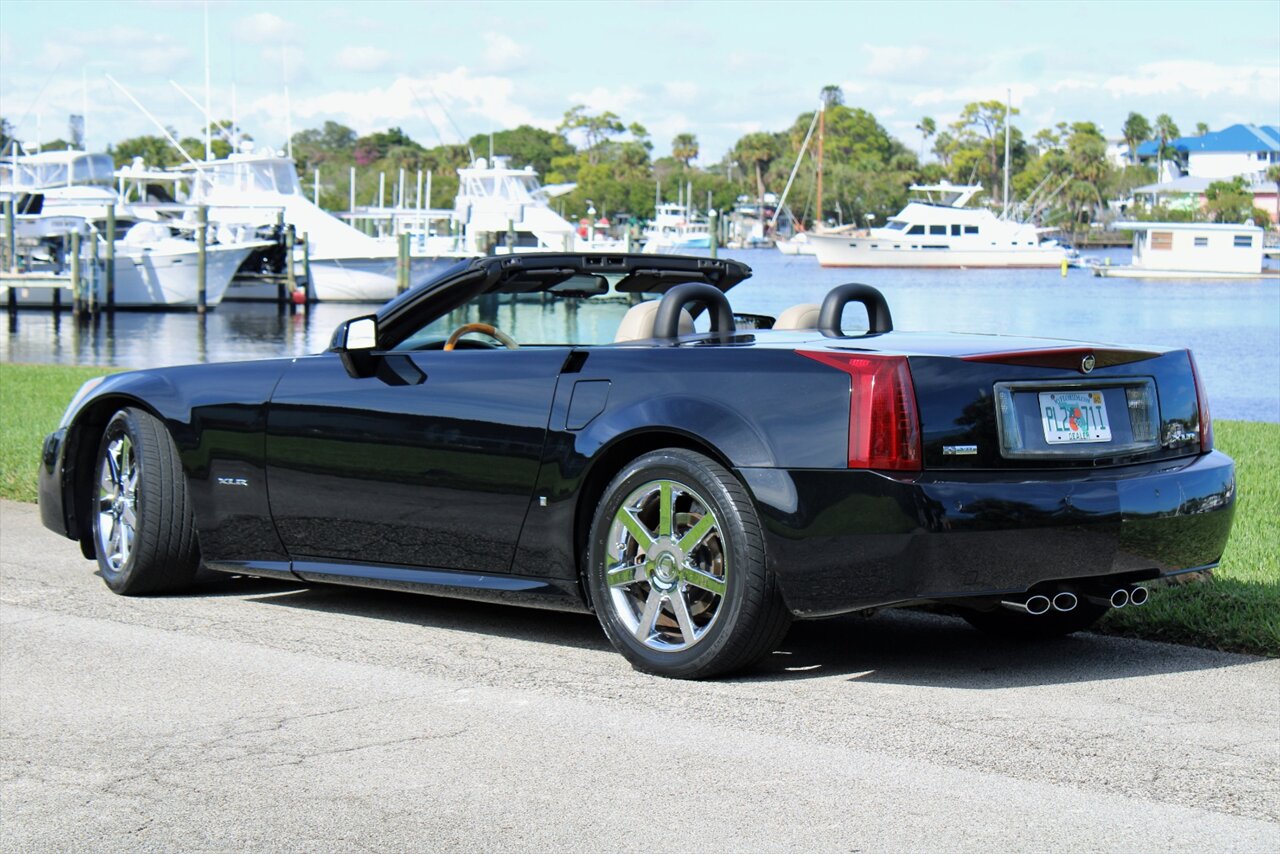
[
  {"x": 164, "y": 556},
  {"x": 1016, "y": 625},
  {"x": 748, "y": 620}
]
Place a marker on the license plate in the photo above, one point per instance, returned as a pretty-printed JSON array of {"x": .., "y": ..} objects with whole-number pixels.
[{"x": 1074, "y": 417}]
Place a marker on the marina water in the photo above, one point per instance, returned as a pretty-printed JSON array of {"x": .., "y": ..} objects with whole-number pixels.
[{"x": 1232, "y": 326}]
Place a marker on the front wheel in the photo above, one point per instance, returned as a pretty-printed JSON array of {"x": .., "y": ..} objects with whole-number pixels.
[
  {"x": 677, "y": 572},
  {"x": 143, "y": 524}
]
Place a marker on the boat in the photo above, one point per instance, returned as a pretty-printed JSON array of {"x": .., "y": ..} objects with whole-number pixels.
[
  {"x": 798, "y": 244},
  {"x": 939, "y": 229},
  {"x": 156, "y": 260},
  {"x": 260, "y": 189},
  {"x": 1192, "y": 250},
  {"x": 675, "y": 229}
]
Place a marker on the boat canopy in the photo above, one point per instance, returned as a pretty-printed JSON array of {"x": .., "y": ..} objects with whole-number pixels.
[{"x": 56, "y": 169}]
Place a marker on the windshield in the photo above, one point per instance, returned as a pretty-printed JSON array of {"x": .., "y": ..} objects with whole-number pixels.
[{"x": 532, "y": 320}]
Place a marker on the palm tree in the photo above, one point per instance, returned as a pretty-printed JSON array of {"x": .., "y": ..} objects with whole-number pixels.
[
  {"x": 684, "y": 148},
  {"x": 927, "y": 127},
  {"x": 759, "y": 150}
]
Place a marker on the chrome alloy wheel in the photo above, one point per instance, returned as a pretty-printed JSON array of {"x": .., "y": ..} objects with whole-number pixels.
[
  {"x": 117, "y": 502},
  {"x": 667, "y": 571}
]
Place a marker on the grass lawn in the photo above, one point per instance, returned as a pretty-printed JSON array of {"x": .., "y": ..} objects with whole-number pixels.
[{"x": 1239, "y": 610}]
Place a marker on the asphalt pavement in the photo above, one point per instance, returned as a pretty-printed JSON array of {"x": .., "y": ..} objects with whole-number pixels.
[{"x": 266, "y": 716}]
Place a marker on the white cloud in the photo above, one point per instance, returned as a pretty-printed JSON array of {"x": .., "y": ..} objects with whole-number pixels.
[
  {"x": 603, "y": 98},
  {"x": 473, "y": 101},
  {"x": 962, "y": 95},
  {"x": 681, "y": 91},
  {"x": 363, "y": 58},
  {"x": 1199, "y": 78},
  {"x": 265, "y": 28},
  {"x": 503, "y": 53},
  {"x": 890, "y": 62}
]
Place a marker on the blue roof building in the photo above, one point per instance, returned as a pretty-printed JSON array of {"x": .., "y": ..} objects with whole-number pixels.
[{"x": 1244, "y": 150}]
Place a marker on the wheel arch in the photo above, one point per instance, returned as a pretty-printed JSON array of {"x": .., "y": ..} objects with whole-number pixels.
[
  {"x": 82, "y": 447},
  {"x": 605, "y": 465}
]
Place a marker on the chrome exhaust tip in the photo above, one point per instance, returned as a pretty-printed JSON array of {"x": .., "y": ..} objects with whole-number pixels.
[
  {"x": 1120, "y": 598},
  {"x": 1065, "y": 601},
  {"x": 1139, "y": 595},
  {"x": 1034, "y": 605}
]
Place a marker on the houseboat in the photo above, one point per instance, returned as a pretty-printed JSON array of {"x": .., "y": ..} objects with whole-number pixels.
[{"x": 1192, "y": 250}]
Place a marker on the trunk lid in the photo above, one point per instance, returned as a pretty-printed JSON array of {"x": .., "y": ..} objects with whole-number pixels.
[{"x": 996, "y": 402}]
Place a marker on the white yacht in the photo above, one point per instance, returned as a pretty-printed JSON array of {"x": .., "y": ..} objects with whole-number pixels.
[
  {"x": 939, "y": 229},
  {"x": 156, "y": 261},
  {"x": 675, "y": 229},
  {"x": 1192, "y": 250},
  {"x": 345, "y": 264},
  {"x": 494, "y": 198}
]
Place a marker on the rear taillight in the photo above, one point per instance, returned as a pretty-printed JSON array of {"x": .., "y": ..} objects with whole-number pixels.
[
  {"x": 884, "y": 428},
  {"x": 1202, "y": 403}
]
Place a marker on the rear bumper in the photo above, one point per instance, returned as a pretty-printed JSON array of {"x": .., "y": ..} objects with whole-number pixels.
[
  {"x": 52, "y": 489},
  {"x": 846, "y": 540}
]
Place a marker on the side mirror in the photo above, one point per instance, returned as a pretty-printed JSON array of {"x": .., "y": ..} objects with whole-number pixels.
[
  {"x": 358, "y": 333},
  {"x": 355, "y": 341}
]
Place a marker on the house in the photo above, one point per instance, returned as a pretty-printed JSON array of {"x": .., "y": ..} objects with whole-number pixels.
[{"x": 1244, "y": 150}]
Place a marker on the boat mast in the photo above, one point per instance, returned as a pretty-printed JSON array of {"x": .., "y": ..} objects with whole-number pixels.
[
  {"x": 822, "y": 127},
  {"x": 804, "y": 146},
  {"x": 208, "y": 131},
  {"x": 1008, "y": 111}
]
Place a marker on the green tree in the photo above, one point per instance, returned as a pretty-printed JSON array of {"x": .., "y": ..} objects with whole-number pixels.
[
  {"x": 595, "y": 129},
  {"x": 977, "y": 144},
  {"x": 927, "y": 127},
  {"x": 1202, "y": 128},
  {"x": 6, "y": 135},
  {"x": 1167, "y": 131},
  {"x": 526, "y": 146},
  {"x": 831, "y": 96},
  {"x": 1136, "y": 130},
  {"x": 1232, "y": 201},
  {"x": 155, "y": 151},
  {"x": 755, "y": 152},
  {"x": 375, "y": 146},
  {"x": 684, "y": 148}
]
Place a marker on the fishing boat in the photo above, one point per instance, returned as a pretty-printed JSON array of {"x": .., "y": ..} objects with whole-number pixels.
[
  {"x": 156, "y": 259},
  {"x": 260, "y": 189},
  {"x": 939, "y": 229},
  {"x": 675, "y": 228},
  {"x": 1192, "y": 250}
]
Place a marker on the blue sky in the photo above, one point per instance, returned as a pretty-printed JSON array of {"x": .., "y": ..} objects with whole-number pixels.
[{"x": 714, "y": 69}]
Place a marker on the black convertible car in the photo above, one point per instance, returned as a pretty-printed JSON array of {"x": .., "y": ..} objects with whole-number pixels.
[{"x": 699, "y": 480}]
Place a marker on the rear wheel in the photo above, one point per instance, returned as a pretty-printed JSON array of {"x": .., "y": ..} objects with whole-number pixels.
[
  {"x": 143, "y": 527},
  {"x": 677, "y": 571},
  {"x": 1021, "y": 626}
]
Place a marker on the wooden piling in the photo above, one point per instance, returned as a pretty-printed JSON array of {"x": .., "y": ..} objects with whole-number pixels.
[
  {"x": 202, "y": 260},
  {"x": 111, "y": 257},
  {"x": 76, "y": 295},
  {"x": 713, "y": 234},
  {"x": 290, "y": 275},
  {"x": 11, "y": 246},
  {"x": 91, "y": 291},
  {"x": 306, "y": 267},
  {"x": 402, "y": 263}
]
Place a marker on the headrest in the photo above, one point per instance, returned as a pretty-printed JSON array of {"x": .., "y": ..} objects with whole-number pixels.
[{"x": 637, "y": 323}]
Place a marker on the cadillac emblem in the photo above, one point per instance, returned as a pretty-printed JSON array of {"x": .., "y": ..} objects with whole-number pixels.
[{"x": 1087, "y": 363}]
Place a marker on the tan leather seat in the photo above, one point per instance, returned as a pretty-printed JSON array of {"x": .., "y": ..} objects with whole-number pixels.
[
  {"x": 637, "y": 323},
  {"x": 802, "y": 316}
]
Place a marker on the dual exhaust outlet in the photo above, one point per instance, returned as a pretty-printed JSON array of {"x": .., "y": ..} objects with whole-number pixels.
[{"x": 1066, "y": 601}]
